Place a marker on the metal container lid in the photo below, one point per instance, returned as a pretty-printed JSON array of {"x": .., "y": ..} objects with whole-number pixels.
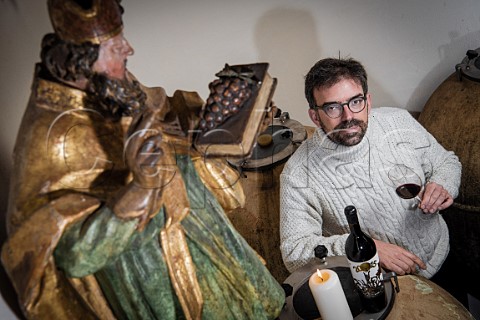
[{"x": 470, "y": 66}]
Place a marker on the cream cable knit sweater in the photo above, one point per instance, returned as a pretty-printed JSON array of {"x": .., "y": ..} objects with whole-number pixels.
[{"x": 322, "y": 178}]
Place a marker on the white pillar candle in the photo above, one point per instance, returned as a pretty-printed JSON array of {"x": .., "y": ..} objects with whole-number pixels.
[{"x": 329, "y": 296}]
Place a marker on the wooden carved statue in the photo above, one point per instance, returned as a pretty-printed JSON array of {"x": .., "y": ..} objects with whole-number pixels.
[{"x": 112, "y": 213}]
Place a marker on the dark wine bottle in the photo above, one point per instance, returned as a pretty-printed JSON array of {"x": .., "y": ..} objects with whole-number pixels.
[{"x": 364, "y": 265}]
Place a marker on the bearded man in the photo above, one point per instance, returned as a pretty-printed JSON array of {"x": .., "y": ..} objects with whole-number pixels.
[
  {"x": 349, "y": 161},
  {"x": 111, "y": 213}
]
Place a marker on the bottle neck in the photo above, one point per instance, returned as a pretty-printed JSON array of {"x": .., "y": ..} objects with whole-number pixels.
[{"x": 355, "y": 228}]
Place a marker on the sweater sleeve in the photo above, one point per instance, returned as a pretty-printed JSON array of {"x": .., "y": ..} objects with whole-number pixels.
[
  {"x": 301, "y": 222},
  {"x": 441, "y": 166}
]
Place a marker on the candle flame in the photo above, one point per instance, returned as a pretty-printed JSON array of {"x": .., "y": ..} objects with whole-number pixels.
[{"x": 319, "y": 274}]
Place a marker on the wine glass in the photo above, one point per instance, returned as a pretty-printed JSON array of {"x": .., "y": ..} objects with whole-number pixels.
[{"x": 407, "y": 183}]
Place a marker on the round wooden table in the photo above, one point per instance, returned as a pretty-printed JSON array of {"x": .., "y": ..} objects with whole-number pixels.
[
  {"x": 417, "y": 297},
  {"x": 420, "y": 298}
]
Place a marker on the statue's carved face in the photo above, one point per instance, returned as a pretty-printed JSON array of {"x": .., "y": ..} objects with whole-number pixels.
[
  {"x": 115, "y": 92},
  {"x": 112, "y": 58}
]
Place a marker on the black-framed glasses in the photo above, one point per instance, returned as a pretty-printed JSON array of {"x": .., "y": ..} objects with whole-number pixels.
[{"x": 335, "y": 109}]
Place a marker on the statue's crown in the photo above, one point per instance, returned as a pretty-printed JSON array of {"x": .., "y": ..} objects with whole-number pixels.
[{"x": 79, "y": 21}]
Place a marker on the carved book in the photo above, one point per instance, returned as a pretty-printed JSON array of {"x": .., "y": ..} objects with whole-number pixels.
[{"x": 234, "y": 111}]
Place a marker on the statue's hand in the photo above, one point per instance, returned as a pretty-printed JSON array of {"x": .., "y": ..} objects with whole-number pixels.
[
  {"x": 133, "y": 201},
  {"x": 147, "y": 163},
  {"x": 141, "y": 197},
  {"x": 144, "y": 156},
  {"x": 145, "y": 150}
]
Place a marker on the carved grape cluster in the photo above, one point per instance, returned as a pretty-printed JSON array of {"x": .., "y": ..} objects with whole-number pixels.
[{"x": 227, "y": 96}]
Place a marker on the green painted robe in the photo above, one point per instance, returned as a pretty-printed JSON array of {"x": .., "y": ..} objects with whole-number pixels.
[{"x": 131, "y": 270}]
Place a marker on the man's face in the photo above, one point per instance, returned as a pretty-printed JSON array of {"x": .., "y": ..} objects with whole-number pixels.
[
  {"x": 349, "y": 128},
  {"x": 112, "y": 57}
]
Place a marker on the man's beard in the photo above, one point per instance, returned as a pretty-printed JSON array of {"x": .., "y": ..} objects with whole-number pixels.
[
  {"x": 116, "y": 98},
  {"x": 340, "y": 136}
]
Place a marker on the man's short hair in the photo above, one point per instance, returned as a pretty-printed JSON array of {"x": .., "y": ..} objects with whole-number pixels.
[{"x": 327, "y": 72}]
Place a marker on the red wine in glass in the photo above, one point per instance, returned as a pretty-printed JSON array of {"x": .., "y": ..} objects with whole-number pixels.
[
  {"x": 408, "y": 190},
  {"x": 408, "y": 185}
]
